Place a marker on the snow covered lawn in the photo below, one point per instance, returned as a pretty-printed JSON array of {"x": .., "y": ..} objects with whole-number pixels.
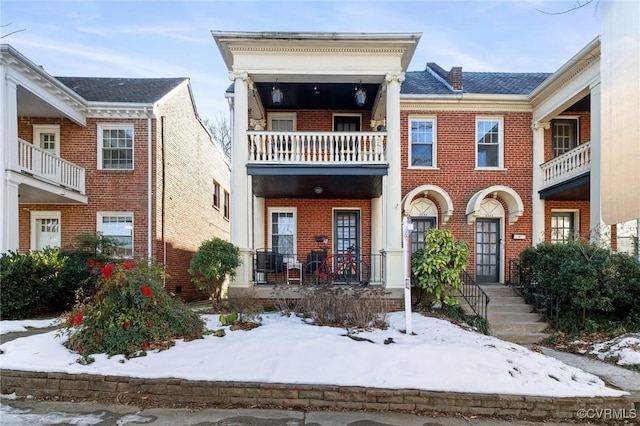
[{"x": 439, "y": 357}]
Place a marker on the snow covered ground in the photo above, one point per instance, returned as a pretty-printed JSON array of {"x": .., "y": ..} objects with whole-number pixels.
[{"x": 439, "y": 357}]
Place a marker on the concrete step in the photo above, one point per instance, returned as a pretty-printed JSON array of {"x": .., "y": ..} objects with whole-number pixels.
[
  {"x": 521, "y": 338},
  {"x": 513, "y": 317},
  {"x": 520, "y": 308},
  {"x": 499, "y": 291},
  {"x": 519, "y": 327},
  {"x": 512, "y": 300}
]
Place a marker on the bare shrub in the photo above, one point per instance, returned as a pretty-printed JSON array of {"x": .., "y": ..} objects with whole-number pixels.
[
  {"x": 245, "y": 303},
  {"x": 287, "y": 299}
]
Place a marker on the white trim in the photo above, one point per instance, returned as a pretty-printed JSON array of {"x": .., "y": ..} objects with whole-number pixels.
[
  {"x": 117, "y": 126},
  {"x": 500, "y": 119},
  {"x": 434, "y": 143},
  {"x": 282, "y": 116},
  {"x": 35, "y": 215},
  {"x": 293, "y": 210},
  {"x": 510, "y": 197},
  {"x": 439, "y": 194},
  {"x": 575, "y": 118},
  {"x": 102, "y": 214},
  {"x": 39, "y": 129},
  {"x": 333, "y": 225}
]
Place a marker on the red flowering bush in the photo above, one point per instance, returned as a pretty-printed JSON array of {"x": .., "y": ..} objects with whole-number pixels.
[{"x": 130, "y": 313}]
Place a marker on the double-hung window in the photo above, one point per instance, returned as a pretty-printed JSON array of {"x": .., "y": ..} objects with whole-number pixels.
[
  {"x": 227, "y": 205},
  {"x": 422, "y": 142},
  {"x": 119, "y": 227},
  {"x": 115, "y": 146},
  {"x": 216, "y": 194},
  {"x": 489, "y": 141}
]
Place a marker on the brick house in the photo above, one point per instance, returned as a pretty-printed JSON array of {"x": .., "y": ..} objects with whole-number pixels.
[
  {"x": 129, "y": 158},
  {"x": 341, "y": 142}
]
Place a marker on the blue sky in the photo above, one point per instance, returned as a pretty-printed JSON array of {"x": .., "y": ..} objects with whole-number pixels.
[{"x": 173, "y": 39}]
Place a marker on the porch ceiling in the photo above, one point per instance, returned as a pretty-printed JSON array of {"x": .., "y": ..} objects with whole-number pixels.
[
  {"x": 314, "y": 95},
  {"x": 576, "y": 189},
  {"x": 48, "y": 194},
  {"x": 355, "y": 186}
]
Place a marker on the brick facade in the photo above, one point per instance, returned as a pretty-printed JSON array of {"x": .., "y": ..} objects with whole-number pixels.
[{"x": 184, "y": 162}]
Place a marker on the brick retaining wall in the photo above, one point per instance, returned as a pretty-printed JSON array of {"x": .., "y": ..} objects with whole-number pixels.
[{"x": 182, "y": 393}]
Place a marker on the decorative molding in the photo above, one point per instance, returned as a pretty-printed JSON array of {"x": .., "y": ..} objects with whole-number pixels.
[
  {"x": 546, "y": 125},
  {"x": 458, "y": 103},
  {"x": 316, "y": 49},
  {"x": 394, "y": 76},
  {"x": 117, "y": 113},
  {"x": 235, "y": 75}
]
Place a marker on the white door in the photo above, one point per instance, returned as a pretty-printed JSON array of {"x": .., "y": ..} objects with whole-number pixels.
[
  {"x": 46, "y": 161},
  {"x": 45, "y": 230}
]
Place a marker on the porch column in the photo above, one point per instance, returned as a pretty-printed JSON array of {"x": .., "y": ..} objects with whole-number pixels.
[
  {"x": 599, "y": 233},
  {"x": 537, "y": 204},
  {"x": 258, "y": 227},
  {"x": 8, "y": 160},
  {"x": 392, "y": 188},
  {"x": 377, "y": 228},
  {"x": 240, "y": 181}
]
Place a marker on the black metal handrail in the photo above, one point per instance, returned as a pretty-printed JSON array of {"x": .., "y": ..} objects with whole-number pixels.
[
  {"x": 522, "y": 280},
  {"x": 475, "y": 296}
]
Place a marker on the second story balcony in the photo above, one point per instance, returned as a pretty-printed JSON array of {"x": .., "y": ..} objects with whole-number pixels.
[
  {"x": 567, "y": 176},
  {"x": 317, "y": 164},
  {"x": 317, "y": 148}
]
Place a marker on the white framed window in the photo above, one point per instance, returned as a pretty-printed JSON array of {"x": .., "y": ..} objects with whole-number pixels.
[
  {"x": 282, "y": 121},
  {"x": 565, "y": 225},
  {"x": 422, "y": 142},
  {"x": 119, "y": 226},
  {"x": 282, "y": 231},
  {"x": 347, "y": 122},
  {"x": 489, "y": 142},
  {"x": 47, "y": 138},
  {"x": 227, "y": 205},
  {"x": 115, "y": 146},
  {"x": 45, "y": 229}
]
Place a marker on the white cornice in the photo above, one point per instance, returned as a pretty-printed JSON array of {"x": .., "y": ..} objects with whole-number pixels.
[
  {"x": 119, "y": 110},
  {"x": 466, "y": 102}
]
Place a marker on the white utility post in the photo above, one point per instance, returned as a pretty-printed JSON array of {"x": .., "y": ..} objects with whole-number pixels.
[{"x": 407, "y": 227}]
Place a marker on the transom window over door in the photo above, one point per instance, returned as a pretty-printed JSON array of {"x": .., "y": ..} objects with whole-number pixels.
[
  {"x": 422, "y": 142},
  {"x": 564, "y": 136},
  {"x": 283, "y": 232},
  {"x": 489, "y": 142},
  {"x": 115, "y": 146}
]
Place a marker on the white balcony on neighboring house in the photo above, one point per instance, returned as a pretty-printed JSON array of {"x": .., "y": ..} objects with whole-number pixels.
[
  {"x": 567, "y": 166},
  {"x": 46, "y": 178},
  {"x": 317, "y": 148}
]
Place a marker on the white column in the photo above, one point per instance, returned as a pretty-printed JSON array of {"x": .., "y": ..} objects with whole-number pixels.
[
  {"x": 599, "y": 232},
  {"x": 392, "y": 188},
  {"x": 377, "y": 228},
  {"x": 258, "y": 228},
  {"x": 241, "y": 212},
  {"x": 537, "y": 204},
  {"x": 8, "y": 160}
]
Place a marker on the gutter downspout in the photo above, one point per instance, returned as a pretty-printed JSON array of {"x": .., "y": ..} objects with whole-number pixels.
[{"x": 149, "y": 185}]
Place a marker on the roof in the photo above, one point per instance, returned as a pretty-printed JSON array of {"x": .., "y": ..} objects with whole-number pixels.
[
  {"x": 431, "y": 81},
  {"x": 126, "y": 90}
]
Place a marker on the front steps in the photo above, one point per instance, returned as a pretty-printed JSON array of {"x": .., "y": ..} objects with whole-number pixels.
[{"x": 510, "y": 318}]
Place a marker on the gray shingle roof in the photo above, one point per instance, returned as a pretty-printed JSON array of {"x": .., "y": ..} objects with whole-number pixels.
[
  {"x": 127, "y": 90},
  {"x": 500, "y": 83}
]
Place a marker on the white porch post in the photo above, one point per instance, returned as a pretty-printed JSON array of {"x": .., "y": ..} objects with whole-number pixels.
[
  {"x": 537, "y": 204},
  {"x": 258, "y": 228},
  {"x": 599, "y": 232},
  {"x": 240, "y": 183},
  {"x": 392, "y": 188},
  {"x": 8, "y": 158}
]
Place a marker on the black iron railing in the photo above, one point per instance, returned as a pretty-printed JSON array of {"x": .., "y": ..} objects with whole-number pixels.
[
  {"x": 475, "y": 296},
  {"x": 522, "y": 280}
]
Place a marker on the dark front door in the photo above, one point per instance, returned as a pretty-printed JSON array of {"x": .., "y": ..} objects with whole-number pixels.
[{"x": 488, "y": 250}]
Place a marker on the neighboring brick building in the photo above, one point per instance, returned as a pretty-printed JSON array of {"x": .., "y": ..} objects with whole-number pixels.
[
  {"x": 126, "y": 157},
  {"x": 343, "y": 142}
]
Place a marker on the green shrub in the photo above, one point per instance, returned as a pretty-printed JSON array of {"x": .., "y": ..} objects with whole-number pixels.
[
  {"x": 211, "y": 264},
  {"x": 593, "y": 288},
  {"x": 130, "y": 313},
  {"x": 29, "y": 281},
  {"x": 436, "y": 267}
]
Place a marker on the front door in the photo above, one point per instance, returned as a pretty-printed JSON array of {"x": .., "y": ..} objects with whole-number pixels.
[
  {"x": 47, "y": 140},
  {"x": 347, "y": 234},
  {"x": 488, "y": 250},
  {"x": 45, "y": 230}
]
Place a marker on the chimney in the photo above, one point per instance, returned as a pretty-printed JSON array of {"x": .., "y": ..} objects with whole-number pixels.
[{"x": 454, "y": 78}]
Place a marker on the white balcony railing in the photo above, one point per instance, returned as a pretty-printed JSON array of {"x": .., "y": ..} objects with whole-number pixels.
[
  {"x": 566, "y": 166},
  {"x": 46, "y": 166},
  {"x": 317, "y": 147}
]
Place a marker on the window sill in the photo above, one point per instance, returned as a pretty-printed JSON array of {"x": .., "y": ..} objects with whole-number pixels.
[
  {"x": 494, "y": 169},
  {"x": 422, "y": 168}
]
